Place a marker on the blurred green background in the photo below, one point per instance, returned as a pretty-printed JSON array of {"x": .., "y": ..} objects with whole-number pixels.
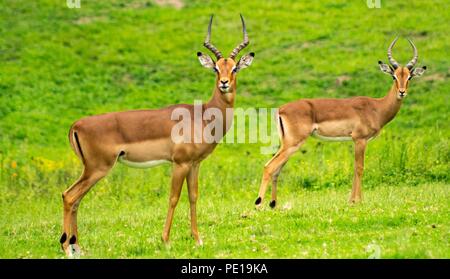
[{"x": 60, "y": 64}]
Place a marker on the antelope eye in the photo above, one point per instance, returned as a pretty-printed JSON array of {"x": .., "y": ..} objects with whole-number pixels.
[
  {"x": 215, "y": 69},
  {"x": 409, "y": 77},
  {"x": 234, "y": 70}
]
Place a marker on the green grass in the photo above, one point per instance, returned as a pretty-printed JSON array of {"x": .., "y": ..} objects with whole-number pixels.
[
  {"x": 307, "y": 224},
  {"x": 59, "y": 64}
]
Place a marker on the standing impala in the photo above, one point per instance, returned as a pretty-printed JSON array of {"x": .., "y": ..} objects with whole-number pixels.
[
  {"x": 359, "y": 119},
  {"x": 142, "y": 138}
]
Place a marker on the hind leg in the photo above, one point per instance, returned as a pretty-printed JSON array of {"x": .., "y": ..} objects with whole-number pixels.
[
  {"x": 71, "y": 200},
  {"x": 273, "y": 202},
  {"x": 274, "y": 166}
]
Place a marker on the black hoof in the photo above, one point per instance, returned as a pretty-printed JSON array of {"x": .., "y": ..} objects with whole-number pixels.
[
  {"x": 258, "y": 201},
  {"x": 273, "y": 203},
  {"x": 73, "y": 239},
  {"x": 63, "y": 238}
]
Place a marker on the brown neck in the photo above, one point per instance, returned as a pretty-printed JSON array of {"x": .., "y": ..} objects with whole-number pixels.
[
  {"x": 390, "y": 105},
  {"x": 223, "y": 102}
]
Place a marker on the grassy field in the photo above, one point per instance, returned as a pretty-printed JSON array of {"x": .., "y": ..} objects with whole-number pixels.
[{"x": 59, "y": 64}]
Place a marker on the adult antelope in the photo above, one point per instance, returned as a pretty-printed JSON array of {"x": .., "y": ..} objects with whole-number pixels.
[
  {"x": 359, "y": 119},
  {"x": 142, "y": 138}
]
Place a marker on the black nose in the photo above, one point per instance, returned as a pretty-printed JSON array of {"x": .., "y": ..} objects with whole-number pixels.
[
  {"x": 224, "y": 81},
  {"x": 402, "y": 92}
]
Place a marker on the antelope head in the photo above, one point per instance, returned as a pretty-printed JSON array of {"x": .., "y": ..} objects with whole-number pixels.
[
  {"x": 401, "y": 75},
  {"x": 226, "y": 68}
]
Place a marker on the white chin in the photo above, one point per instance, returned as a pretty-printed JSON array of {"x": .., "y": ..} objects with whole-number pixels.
[{"x": 224, "y": 90}]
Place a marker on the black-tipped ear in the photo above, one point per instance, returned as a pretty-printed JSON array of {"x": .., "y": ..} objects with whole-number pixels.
[
  {"x": 206, "y": 60},
  {"x": 385, "y": 68},
  {"x": 417, "y": 72},
  {"x": 244, "y": 62}
]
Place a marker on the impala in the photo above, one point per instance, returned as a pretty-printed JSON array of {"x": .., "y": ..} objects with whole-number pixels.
[
  {"x": 142, "y": 138},
  {"x": 358, "y": 119}
]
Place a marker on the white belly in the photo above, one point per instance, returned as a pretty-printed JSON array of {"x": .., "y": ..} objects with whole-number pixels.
[
  {"x": 142, "y": 165},
  {"x": 316, "y": 135}
]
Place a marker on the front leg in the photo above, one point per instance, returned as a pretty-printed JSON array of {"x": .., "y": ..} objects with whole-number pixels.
[
  {"x": 192, "y": 183},
  {"x": 179, "y": 173},
  {"x": 360, "y": 147}
]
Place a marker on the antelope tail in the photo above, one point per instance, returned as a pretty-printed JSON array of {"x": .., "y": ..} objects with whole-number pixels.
[{"x": 75, "y": 144}]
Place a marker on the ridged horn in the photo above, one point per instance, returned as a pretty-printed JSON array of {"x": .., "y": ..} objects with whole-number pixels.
[
  {"x": 389, "y": 54},
  {"x": 244, "y": 43},
  {"x": 208, "y": 44},
  {"x": 413, "y": 61}
]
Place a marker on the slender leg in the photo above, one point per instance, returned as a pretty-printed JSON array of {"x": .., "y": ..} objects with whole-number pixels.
[
  {"x": 273, "y": 166},
  {"x": 71, "y": 199},
  {"x": 179, "y": 173},
  {"x": 273, "y": 203},
  {"x": 80, "y": 195},
  {"x": 360, "y": 147},
  {"x": 192, "y": 183},
  {"x": 64, "y": 240}
]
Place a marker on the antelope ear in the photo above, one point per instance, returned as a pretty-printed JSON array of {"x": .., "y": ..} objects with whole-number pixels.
[
  {"x": 385, "y": 68},
  {"x": 245, "y": 61},
  {"x": 206, "y": 60},
  {"x": 417, "y": 72}
]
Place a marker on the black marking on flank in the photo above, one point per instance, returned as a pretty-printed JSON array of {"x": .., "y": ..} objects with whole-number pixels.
[
  {"x": 63, "y": 238},
  {"x": 281, "y": 126},
  {"x": 273, "y": 203},
  {"x": 73, "y": 239},
  {"x": 258, "y": 201},
  {"x": 78, "y": 144}
]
